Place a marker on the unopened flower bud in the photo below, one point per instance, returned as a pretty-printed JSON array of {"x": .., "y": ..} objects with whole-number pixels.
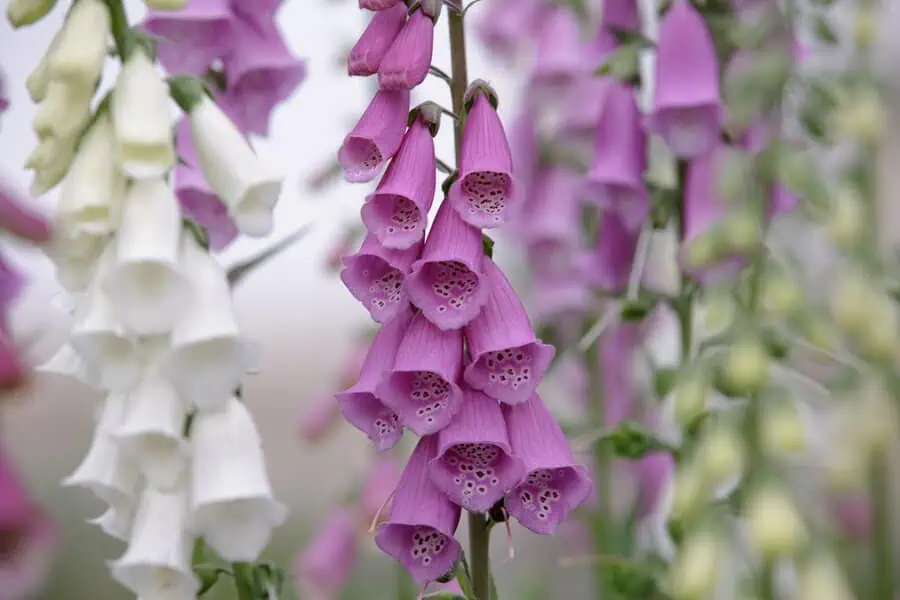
[
  {"x": 20, "y": 13},
  {"x": 165, "y": 4},
  {"x": 773, "y": 523},
  {"x": 741, "y": 232},
  {"x": 690, "y": 397},
  {"x": 481, "y": 86},
  {"x": 819, "y": 333},
  {"x": 432, "y": 8},
  {"x": 874, "y": 417},
  {"x": 690, "y": 492},
  {"x": 861, "y": 117},
  {"x": 865, "y": 24},
  {"x": 81, "y": 51},
  {"x": 746, "y": 367},
  {"x": 733, "y": 172},
  {"x": 702, "y": 251},
  {"x": 696, "y": 568},
  {"x": 783, "y": 429},
  {"x": 821, "y": 579},
  {"x": 717, "y": 311},
  {"x": 850, "y": 301},
  {"x": 780, "y": 294},
  {"x": 720, "y": 456},
  {"x": 847, "y": 222},
  {"x": 879, "y": 340}
]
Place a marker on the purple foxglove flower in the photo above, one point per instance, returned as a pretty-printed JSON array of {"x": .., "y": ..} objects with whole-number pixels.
[
  {"x": 376, "y": 137},
  {"x": 261, "y": 73},
  {"x": 485, "y": 190},
  {"x": 406, "y": 63},
  {"x": 379, "y": 483},
  {"x": 366, "y": 55},
  {"x": 475, "y": 465},
  {"x": 781, "y": 202},
  {"x": 554, "y": 485},
  {"x": 560, "y": 53},
  {"x": 446, "y": 284},
  {"x": 523, "y": 143},
  {"x": 397, "y": 212},
  {"x": 608, "y": 266},
  {"x": 318, "y": 419},
  {"x": 505, "y": 23},
  {"x": 323, "y": 567},
  {"x": 257, "y": 9},
  {"x": 359, "y": 403},
  {"x": 375, "y": 274},
  {"x": 421, "y": 388},
  {"x": 551, "y": 215},
  {"x": 615, "y": 181},
  {"x": 193, "y": 37},
  {"x": 560, "y": 296},
  {"x": 378, "y": 4},
  {"x": 617, "y": 351},
  {"x": 581, "y": 116},
  {"x": 4, "y": 95},
  {"x": 202, "y": 206},
  {"x": 853, "y": 514},
  {"x": 19, "y": 220},
  {"x": 508, "y": 360},
  {"x": 419, "y": 532},
  {"x": 653, "y": 472},
  {"x": 621, "y": 14},
  {"x": 687, "y": 111}
]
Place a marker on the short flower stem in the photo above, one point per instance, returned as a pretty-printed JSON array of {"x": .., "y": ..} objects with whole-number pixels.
[
  {"x": 243, "y": 580},
  {"x": 479, "y": 556}
]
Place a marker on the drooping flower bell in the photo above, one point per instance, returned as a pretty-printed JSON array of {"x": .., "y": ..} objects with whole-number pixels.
[
  {"x": 550, "y": 215},
  {"x": 608, "y": 266},
  {"x": 323, "y": 567},
  {"x": 192, "y": 38},
  {"x": 366, "y": 55},
  {"x": 419, "y": 532},
  {"x": 376, "y": 137},
  {"x": 622, "y": 15},
  {"x": 559, "y": 55},
  {"x": 508, "y": 361},
  {"x": 503, "y": 25},
  {"x": 375, "y": 276},
  {"x": 687, "y": 110},
  {"x": 406, "y": 63}
]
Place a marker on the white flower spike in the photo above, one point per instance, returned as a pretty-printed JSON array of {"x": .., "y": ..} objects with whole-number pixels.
[
  {"x": 142, "y": 118},
  {"x": 157, "y": 563},
  {"x": 209, "y": 358},
  {"x": 145, "y": 285},
  {"x": 231, "y": 498}
]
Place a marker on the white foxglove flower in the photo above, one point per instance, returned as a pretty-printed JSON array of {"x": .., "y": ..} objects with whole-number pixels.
[
  {"x": 75, "y": 255},
  {"x": 64, "y": 111},
  {"x": 151, "y": 432},
  {"x": 209, "y": 358},
  {"x": 92, "y": 195},
  {"x": 142, "y": 118},
  {"x": 51, "y": 161},
  {"x": 248, "y": 186},
  {"x": 231, "y": 499},
  {"x": 157, "y": 563},
  {"x": 39, "y": 79},
  {"x": 145, "y": 285},
  {"x": 97, "y": 335},
  {"x": 69, "y": 363},
  {"x": 118, "y": 520},
  {"x": 80, "y": 53},
  {"x": 105, "y": 470},
  {"x": 27, "y": 12}
]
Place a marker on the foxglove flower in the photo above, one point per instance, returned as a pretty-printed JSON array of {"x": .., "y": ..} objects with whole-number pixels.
[
  {"x": 554, "y": 485},
  {"x": 446, "y": 284},
  {"x": 485, "y": 191},
  {"x": 559, "y": 57},
  {"x": 376, "y": 137},
  {"x": 157, "y": 562},
  {"x": 582, "y": 113},
  {"x": 142, "y": 119},
  {"x": 200, "y": 205},
  {"x": 654, "y": 476},
  {"x": 615, "y": 181},
  {"x": 475, "y": 466},
  {"x": 622, "y": 15},
  {"x": 406, "y": 63},
  {"x": 231, "y": 500},
  {"x": 549, "y": 216},
  {"x": 687, "y": 110},
  {"x": 248, "y": 186},
  {"x": 80, "y": 50},
  {"x": 375, "y": 275},
  {"x": 504, "y": 24},
  {"x": 360, "y": 404},
  {"x": 378, "y": 4},
  {"x": 608, "y": 266},
  {"x": 261, "y": 73},
  {"x": 317, "y": 420},
  {"x": 525, "y": 151},
  {"x": 193, "y": 37},
  {"x": 64, "y": 111},
  {"x": 324, "y": 566},
  {"x": 27, "y": 12},
  {"x": 208, "y": 358},
  {"x": 618, "y": 345},
  {"x": 508, "y": 361},
  {"x": 366, "y": 55},
  {"x": 419, "y": 532},
  {"x": 146, "y": 285},
  {"x": 378, "y": 487},
  {"x": 421, "y": 386},
  {"x": 396, "y": 213}
]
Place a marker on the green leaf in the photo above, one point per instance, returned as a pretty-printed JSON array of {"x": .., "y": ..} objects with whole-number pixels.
[
  {"x": 237, "y": 273},
  {"x": 623, "y": 64},
  {"x": 488, "y": 245},
  {"x": 463, "y": 577},
  {"x": 664, "y": 381},
  {"x": 629, "y": 579},
  {"x": 823, "y": 31},
  {"x": 208, "y": 575},
  {"x": 776, "y": 344},
  {"x": 638, "y": 309},
  {"x": 633, "y": 441}
]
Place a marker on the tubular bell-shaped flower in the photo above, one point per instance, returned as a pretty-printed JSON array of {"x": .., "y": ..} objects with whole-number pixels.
[
  {"x": 622, "y": 15},
  {"x": 231, "y": 500},
  {"x": 396, "y": 213},
  {"x": 554, "y": 485},
  {"x": 378, "y": 4},
  {"x": 421, "y": 386},
  {"x": 475, "y": 465},
  {"x": 608, "y": 266},
  {"x": 508, "y": 361},
  {"x": 406, "y": 63},
  {"x": 324, "y": 566},
  {"x": 419, "y": 532},
  {"x": 485, "y": 190},
  {"x": 559, "y": 54},
  {"x": 63, "y": 112},
  {"x": 366, "y": 55},
  {"x": 193, "y": 37},
  {"x": 360, "y": 404},
  {"x": 78, "y": 56},
  {"x": 375, "y": 275},
  {"x": 376, "y": 137},
  {"x": 447, "y": 284}
]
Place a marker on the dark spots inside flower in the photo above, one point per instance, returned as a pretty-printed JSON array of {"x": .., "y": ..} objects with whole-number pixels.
[{"x": 486, "y": 194}]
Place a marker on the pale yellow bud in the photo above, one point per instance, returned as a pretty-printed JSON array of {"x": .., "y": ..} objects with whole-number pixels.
[
  {"x": 695, "y": 571},
  {"x": 865, "y": 24},
  {"x": 850, "y": 301},
  {"x": 819, "y": 333},
  {"x": 52, "y": 159},
  {"x": 702, "y": 251},
  {"x": 773, "y": 523},
  {"x": 64, "y": 112},
  {"x": 783, "y": 430},
  {"x": 862, "y": 117},
  {"x": 27, "y": 12},
  {"x": 746, "y": 367},
  {"x": 716, "y": 313},
  {"x": 81, "y": 50},
  {"x": 741, "y": 233},
  {"x": 847, "y": 222},
  {"x": 874, "y": 418},
  {"x": 879, "y": 339},
  {"x": 690, "y": 397},
  {"x": 721, "y": 455},
  {"x": 690, "y": 492},
  {"x": 780, "y": 294},
  {"x": 821, "y": 579},
  {"x": 165, "y": 4}
]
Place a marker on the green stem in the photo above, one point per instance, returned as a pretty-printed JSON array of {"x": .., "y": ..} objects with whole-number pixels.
[
  {"x": 596, "y": 406},
  {"x": 119, "y": 25},
  {"x": 882, "y": 543},
  {"x": 243, "y": 580},
  {"x": 479, "y": 556}
]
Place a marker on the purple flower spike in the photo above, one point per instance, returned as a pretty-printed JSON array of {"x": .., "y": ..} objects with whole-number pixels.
[
  {"x": 323, "y": 567},
  {"x": 421, "y": 388},
  {"x": 653, "y": 473},
  {"x": 360, "y": 405},
  {"x": 508, "y": 360},
  {"x": 608, "y": 267},
  {"x": 398, "y": 210},
  {"x": 262, "y": 73},
  {"x": 616, "y": 181},
  {"x": 378, "y": 4},
  {"x": 484, "y": 192},
  {"x": 407, "y": 60},
  {"x": 376, "y": 137},
  {"x": 419, "y": 532},
  {"x": 475, "y": 465},
  {"x": 621, "y": 14},
  {"x": 193, "y": 37},
  {"x": 560, "y": 54},
  {"x": 554, "y": 485},
  {"x": 375, "y": 274},
  {"x": 446, "y": 283},
  {"x": 368, "y": 52},
  {"x": 687, "y": 111}
]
